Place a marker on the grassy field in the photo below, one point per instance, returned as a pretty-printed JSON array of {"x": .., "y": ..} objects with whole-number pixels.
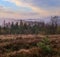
[{"x": 26, "y": 46}]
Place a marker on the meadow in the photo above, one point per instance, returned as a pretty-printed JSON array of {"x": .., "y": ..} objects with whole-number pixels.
[{"x": 29, "y": 45}]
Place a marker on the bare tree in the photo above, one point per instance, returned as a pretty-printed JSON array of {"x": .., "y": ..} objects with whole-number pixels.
[{"x": 54, "y": 24}]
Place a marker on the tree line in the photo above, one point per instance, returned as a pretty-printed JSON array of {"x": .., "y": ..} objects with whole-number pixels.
[{"x": 52, "y": 27}]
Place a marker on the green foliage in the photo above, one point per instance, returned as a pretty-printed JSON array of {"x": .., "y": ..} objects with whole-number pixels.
[
  {"x": 45, "y": 45},
  {"x": 35, "y": 29}
]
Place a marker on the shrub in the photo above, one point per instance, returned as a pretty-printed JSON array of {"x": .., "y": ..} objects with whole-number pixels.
[{"x": 45, "y": 46}]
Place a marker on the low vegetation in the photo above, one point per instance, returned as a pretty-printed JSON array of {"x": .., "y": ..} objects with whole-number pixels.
[{"x": 30, "y": 47}]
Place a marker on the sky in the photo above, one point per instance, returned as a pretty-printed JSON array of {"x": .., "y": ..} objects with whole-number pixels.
[{"x": 24, "y": 9}]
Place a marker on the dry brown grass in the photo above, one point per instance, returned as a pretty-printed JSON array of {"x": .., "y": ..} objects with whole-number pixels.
[{"x": 16, "y": 40}]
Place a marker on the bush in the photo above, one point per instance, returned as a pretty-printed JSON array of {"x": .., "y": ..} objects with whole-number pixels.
[{"x": 45, "y": 46}]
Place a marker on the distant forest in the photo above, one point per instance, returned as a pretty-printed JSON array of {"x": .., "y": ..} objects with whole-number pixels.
[{"x": 53, "y": 27}]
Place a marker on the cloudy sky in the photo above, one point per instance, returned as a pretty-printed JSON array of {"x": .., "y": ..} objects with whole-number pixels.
[{"x": 29, "y": 8}]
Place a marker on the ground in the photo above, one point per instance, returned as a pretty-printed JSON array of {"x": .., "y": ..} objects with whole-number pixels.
[{"x": 11, "y": 45}]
